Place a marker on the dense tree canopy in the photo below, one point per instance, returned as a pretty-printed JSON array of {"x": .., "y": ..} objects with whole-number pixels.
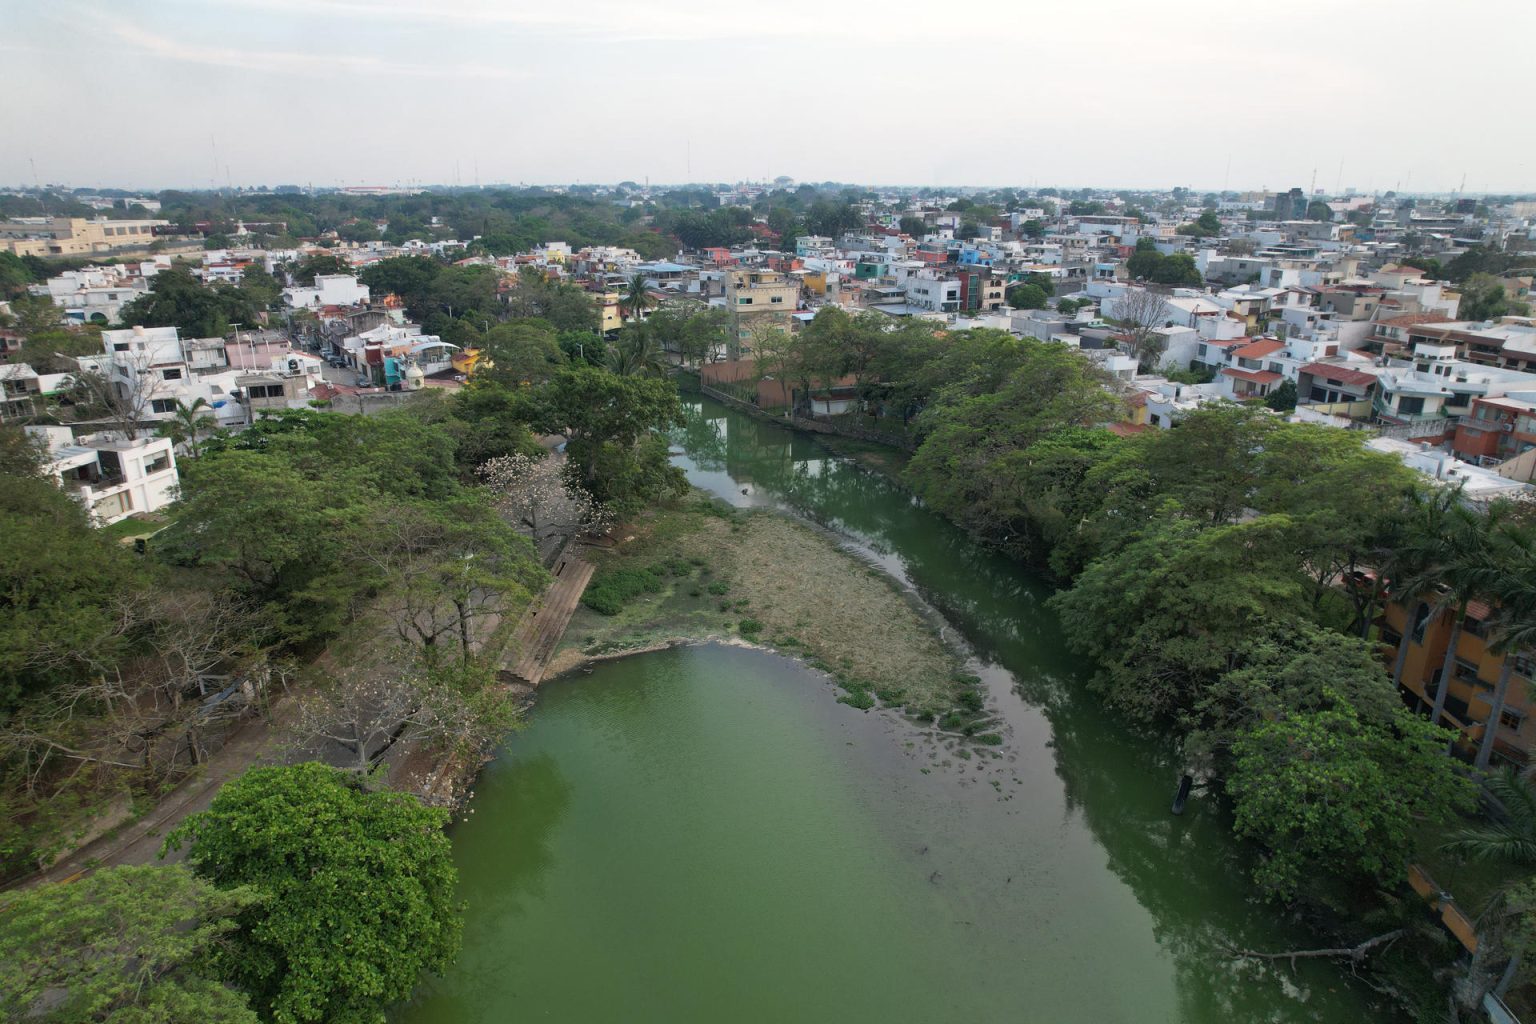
[
  {"x": 123, "y": 945},
  {"x": 177, "y": 299},
  {"x": 355, "y": 891}
]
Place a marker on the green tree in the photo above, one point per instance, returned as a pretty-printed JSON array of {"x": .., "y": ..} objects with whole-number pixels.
[
  {"x": 123, "y": 945},
  {"x": 1165, "y": 614},
  {"x": 1032, "y": 228},
  {"x": 1318, "y": 210},
  {"x": 177, "y": 299},
  {"x": 1511, "y": 836},
  {"x": 57, "y": 622},
  {"x": 356, "y": 891},
  {"x": 914, "y": 226},
  {"x": 1027, "y": 296},
  {"x": 189, "y": 423},
  {"x": 259, "y": 288},
  {"x": 637, "y": 352},
  {"x": 1204, "y": 226},
  {"x": 1511, "y": 582},
  {"x": 15, "y": 275},
  {"x": 637, "y": 297},
  {"x": 1330, "y": 792},
  {"x": 315, "y": 265},
  {"x": 409, "y": 277},
  {"x": 1289, "y": 666},
  {"x": 1483, "y": 298},
  {"x": 604, "y": 417},
  {"x": 35, "y": 314},
  {"x": 1282, "y": 398},
  {"x": 517, "y": 354},
  {"x": 1454, "y": 570}
]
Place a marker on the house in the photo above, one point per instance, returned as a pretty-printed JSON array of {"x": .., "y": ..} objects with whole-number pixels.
[
  {"x": 112, "y": 476},
  {"x": 1251, "y": 371},
  {"x": 1437, "y": 385},
  {"x": 328, "y": 290},
  {"x": 759, "y": 299},
  {"x": 1477, "y": 485},
  {"x": 1496, "y": 431}
]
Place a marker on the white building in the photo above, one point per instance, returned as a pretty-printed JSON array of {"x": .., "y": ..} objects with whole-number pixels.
[
  {"x": 1477, "y": 484},
  {"x": 110, "y": 475},
  {"x": 328, "y": 290}
]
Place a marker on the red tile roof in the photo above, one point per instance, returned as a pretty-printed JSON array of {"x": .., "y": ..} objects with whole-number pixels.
[
  {"x": 1342, "y": 374},
  {"x": 1127, "y": 429},
  {"x": 1259, "y": 349},
  {"x": 1253, "y": 376}
]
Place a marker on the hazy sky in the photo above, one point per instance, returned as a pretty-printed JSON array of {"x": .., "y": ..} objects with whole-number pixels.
[{"x": 1372, "y": 94}]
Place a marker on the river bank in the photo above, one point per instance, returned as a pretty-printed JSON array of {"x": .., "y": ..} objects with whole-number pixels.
[
  {"x": 707, "y": 814},
  {"x": 708, "y": 572}
]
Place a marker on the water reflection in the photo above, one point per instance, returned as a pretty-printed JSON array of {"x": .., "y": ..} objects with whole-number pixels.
[{"x": 1186, "y": 871}]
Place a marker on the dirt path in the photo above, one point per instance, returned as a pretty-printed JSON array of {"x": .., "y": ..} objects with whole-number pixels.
[{"x": 139, "y": 842}]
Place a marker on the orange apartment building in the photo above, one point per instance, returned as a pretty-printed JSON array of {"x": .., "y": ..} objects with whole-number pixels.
[{"x": 1469, "y": 700}]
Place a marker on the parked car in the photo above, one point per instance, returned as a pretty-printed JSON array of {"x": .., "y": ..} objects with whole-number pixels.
[{"x": 364, "y": 382}]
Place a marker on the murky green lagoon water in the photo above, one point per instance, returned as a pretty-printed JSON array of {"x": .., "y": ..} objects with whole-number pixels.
[{"x": 705, "y": 835}]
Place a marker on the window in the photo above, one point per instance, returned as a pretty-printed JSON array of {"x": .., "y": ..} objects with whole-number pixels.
[
  {"x": 171, "y": 374},
  {"x": 1510, "y": 719},
  {"x": 1410, "y": 406},
  {"x": 119, "y": 346},
  {"x": 163, "y": 405},
  {"x": 744, "y": 301},
  {"x": 777, "y": 298},
  {"x": 158, "y": 464}
]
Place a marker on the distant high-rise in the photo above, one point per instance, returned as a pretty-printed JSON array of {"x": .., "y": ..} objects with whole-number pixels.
[{"x": 1291, "y": 205}]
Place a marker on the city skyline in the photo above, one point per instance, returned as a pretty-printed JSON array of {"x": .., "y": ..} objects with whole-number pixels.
[{"x": 341, "y": 92}]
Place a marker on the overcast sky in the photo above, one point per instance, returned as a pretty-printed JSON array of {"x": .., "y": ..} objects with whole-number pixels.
[{"x": 1370, "y": 94}]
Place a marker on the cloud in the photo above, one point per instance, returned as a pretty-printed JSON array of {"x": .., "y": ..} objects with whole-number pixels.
[{"x": 294, "y": 61}]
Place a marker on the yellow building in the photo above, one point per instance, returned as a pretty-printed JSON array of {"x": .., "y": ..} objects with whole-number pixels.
[
  {"x": 608, "y": 304},
  {"x": 1474, "y": 678},
  {"x": 759, "y": 299},
  {"x": 73, "y": 236}
]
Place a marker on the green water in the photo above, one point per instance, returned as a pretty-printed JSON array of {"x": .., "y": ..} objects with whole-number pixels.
[{"x": 705, "y": 835}]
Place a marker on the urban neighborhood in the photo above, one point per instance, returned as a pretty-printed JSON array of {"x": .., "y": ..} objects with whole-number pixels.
[{"x": 527, "y": 590}]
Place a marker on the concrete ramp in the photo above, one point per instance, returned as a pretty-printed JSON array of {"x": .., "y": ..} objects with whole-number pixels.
[{"x": 544, "y": 623}]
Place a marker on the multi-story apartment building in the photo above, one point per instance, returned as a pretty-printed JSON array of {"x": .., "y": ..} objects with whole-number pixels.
[
  {"x": 1470, "y": 700},
  {"x": 759, "y": 299}
]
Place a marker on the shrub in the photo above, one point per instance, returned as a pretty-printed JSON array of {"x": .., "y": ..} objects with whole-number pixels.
[
  {"x": 719, "y": 587},
  {"x": 749, "y": 627},
  {"x": 612, "y": 590}
]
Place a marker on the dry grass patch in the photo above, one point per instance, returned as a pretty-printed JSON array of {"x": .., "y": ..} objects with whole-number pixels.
[{"x": 768, "y": 580}]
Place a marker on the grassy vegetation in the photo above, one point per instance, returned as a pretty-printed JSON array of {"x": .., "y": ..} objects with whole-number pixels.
[{"x": 699, "y": 570}]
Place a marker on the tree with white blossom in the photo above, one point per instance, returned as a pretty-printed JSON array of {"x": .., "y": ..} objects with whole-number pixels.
[{"x": 537, "y": 495}]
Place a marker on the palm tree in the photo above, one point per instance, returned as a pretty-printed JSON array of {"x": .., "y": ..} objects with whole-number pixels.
[
  {"x": 636, "y": 353},
  {"x": 1513, "y": 838},
  {"x": 1456, "y": 570},
  {"x": 1407, "y": 564},
  {"x": 637, "y": 297},
  {"x": 187, "y": 424},
  {"x": 1513, "y": 626}
]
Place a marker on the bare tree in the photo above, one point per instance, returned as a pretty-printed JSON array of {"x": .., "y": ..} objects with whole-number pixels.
[
  {"x": 1142, "y": 312},
  {"x": 150, "y": 712},
  {"x": 363, "y": 707},
  {"x": 535, "y": 494},
  {"x": 121, "y": 391}
]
